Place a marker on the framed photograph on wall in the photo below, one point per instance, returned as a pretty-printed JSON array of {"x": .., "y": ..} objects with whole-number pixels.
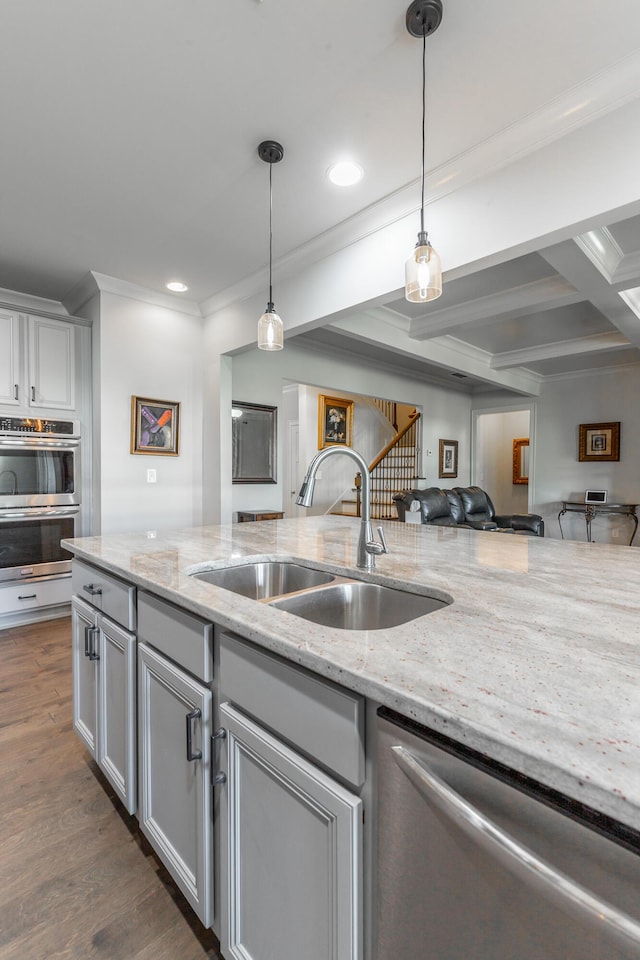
[
  {"x": 448, "y": 459},
  {"x": 155, "y": 427},
  {"x": 599, "y": 441},
  {"x": 335, "y": 422}
]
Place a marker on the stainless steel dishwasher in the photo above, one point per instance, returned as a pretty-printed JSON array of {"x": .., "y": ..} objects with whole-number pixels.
[{"x": 476, "y": 863}]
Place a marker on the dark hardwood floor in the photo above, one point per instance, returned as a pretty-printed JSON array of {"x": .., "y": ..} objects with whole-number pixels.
[{"x": 77, "y": 879}]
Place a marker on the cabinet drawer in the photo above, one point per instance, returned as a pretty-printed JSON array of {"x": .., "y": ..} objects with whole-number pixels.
[
  {"x": 181, "y": 636},
  {"x": 114, "y": 597},
  {"x": 318, "y": 717},
  {"x": 32, "y": 594}
]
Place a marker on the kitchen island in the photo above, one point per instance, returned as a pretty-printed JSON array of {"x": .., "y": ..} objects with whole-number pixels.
[{"x": 536, "y": 663}]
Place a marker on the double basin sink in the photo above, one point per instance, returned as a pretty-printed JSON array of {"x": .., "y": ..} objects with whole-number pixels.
[{"x": 324, "y": 598}]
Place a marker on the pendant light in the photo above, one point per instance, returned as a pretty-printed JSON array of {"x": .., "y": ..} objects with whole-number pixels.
[
  {"x": 423, "y": 270},
  {"x": 270, "y": 328}
]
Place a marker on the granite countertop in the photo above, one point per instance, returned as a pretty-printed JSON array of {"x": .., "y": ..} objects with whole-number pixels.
[{"x": 536, "y": 663}]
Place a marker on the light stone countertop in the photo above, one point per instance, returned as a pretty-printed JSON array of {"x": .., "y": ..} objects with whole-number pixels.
[{"x": 536, "y": 663}]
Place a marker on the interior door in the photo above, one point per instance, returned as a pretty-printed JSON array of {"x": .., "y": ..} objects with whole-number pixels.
[{"x": 294, "y": 479}]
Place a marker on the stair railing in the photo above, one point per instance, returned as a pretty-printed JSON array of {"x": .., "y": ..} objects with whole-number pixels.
[{"x": 392, "y": 471}]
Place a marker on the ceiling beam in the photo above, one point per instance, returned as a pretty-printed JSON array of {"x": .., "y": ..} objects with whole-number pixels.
[
  {"x": 597, "y": 343},
  {"x": 548, "y": 294},
  {"x": 569, "y": 259},
  {"x": 605, "y": 253},
  {"x": 449, "y": 354}
]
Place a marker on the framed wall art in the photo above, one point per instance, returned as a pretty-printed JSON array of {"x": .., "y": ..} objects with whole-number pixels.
[
  {"x": 448, "y": 459},
  {"x": 335, "y": 422},
  {"x": 599, "y": 441},
  {"x": 155, "y": 427}
]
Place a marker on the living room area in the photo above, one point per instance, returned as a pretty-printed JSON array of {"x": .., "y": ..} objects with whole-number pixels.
[{"x": 483, "y": 427}]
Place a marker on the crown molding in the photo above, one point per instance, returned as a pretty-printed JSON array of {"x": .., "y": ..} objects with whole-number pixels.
[
  {"x": 524, "y": 300},
  {"x": 95, "y": 282},
  {"x": 596, "y": 343},
  {"x": 591, "y": 372},
  {"x": 13, "y": 299}
]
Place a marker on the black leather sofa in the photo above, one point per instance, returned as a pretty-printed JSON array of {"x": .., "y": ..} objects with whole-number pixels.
[{"x": 467, "y": 507}]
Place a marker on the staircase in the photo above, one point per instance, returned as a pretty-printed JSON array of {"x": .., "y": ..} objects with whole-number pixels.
[{"x": 394, "y": 469}]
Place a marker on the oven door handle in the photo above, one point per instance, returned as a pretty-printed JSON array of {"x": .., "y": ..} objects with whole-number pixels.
[
  {"x": 20, "y": 440},
  {"x": 38, "y": 513}
]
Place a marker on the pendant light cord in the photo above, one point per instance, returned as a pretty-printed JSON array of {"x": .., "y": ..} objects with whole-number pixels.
[
  {"x": 424, "y": 110},
  {"x": 270, "y": 304}
]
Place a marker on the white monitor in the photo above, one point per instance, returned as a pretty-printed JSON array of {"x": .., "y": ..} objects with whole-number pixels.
[{"x": 595, "y": 496}]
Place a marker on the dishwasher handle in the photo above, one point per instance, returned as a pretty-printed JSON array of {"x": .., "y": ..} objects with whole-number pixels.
[{"x": 514, "y": 856}]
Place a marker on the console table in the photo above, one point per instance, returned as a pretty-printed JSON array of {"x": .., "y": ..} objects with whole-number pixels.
[
  {"x": 245, "y": 516},
  {"x": 591, "y": 510}
]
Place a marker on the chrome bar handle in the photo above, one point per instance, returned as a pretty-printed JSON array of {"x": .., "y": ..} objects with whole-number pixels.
[
  {"x": 16, "y": 392},
  {"x": 220, "y": 777},
  {"x": 93, "y": 633},
  {"x": 515, "y": 857},
  {"x": 191, "y": 753}
]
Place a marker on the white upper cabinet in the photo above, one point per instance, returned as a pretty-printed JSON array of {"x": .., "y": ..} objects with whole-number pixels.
[
  {"x": 37, "y": 362},
  {"x": 51, "y": 363},
  {"x": 9, "y": 358}
]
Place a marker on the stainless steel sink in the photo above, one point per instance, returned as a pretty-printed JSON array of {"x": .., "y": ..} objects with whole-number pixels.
[
  {"x": 265, "y": 579},
  {"x": 359, "y": 605}
]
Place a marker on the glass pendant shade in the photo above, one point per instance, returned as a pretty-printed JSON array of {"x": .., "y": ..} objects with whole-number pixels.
[
  {"x": 423, "y": 273},
  {"x": 270, "y": 330}
]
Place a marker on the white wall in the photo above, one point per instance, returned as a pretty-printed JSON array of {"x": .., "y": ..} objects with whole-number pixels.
[
  {"x": 557, "y": 474},
  {"x": 150, "y": 351},
  {"x": 259, "y": 377}
]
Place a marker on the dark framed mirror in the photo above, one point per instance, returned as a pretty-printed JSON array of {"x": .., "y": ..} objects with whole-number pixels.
[{"x": 254, "y": 438}]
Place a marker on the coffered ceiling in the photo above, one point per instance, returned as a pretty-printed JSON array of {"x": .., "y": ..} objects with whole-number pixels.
[
  {"x": 129, "y": 149},
  {"x": 562, "y": 310}
]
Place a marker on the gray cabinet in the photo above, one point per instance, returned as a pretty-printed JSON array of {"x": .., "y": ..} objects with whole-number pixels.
[
  {"x": 175, "y": 669},
  {"x": 37, "y": 362},
  {"x": 104, "y": 681},
  {"x": 290, "y": 831},
  {"x": 174, "y": 729}
]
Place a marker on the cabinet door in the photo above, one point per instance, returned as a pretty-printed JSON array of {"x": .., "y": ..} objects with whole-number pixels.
[
  {"x": 291, "y": 853},
  {"x": 174, "y": 791},
  {"x": 51, "y": 363},
  {"x": 84, "y": 640},
  {"x": 116, "y": 741},
  {"x": 10, "y": 358}
]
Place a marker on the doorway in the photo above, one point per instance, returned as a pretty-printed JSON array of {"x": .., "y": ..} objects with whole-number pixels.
[{"x": 493, "y": 433}]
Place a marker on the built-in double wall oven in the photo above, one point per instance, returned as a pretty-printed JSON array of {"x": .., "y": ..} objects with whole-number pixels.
[{"x": 39, "y": 495}]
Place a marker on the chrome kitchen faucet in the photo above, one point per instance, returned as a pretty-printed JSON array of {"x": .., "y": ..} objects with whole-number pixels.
[{"x": 368, "y": 548}]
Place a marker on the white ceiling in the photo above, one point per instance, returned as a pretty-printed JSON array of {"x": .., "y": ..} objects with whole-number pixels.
[{"x": 129, "y": 148}]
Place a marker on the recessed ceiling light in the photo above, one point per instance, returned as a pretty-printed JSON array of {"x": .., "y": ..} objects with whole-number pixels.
[
  {"x": 345, "y": 173},
  {"x": 177, "y": 286}
]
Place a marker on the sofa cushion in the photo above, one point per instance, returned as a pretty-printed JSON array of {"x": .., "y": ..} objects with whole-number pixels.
[
  {"x": 455, "y": 504},
  {"x": 434, "y": 506},
  {"x": 476, "y": 503}
]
